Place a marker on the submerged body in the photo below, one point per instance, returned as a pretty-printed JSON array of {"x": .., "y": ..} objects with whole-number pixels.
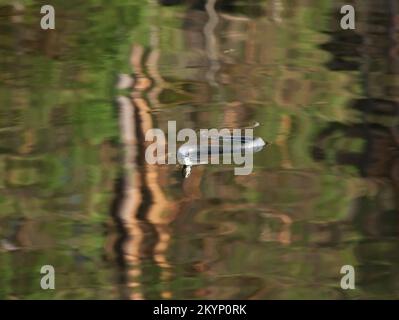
[{"x": 189, "y": 155}]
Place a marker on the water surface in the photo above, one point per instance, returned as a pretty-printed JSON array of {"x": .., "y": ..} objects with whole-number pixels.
[{"x": 76, "y": 192}]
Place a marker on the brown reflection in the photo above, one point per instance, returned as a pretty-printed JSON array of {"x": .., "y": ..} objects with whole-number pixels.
[
  {"x": 378, "y": 158},
  {"x": 143, "y": 212}
]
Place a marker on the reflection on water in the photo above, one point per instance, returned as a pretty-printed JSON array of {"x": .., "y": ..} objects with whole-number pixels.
[{"x": 76, "y": 192}]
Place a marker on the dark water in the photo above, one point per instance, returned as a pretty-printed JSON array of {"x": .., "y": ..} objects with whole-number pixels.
[{"x": 77, "y": 194}]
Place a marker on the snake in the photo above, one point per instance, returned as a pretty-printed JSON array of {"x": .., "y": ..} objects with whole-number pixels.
[{"x": 190, "y": 154}]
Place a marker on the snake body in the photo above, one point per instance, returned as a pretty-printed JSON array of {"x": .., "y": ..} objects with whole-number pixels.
[{"x": 189, "y": 155}]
